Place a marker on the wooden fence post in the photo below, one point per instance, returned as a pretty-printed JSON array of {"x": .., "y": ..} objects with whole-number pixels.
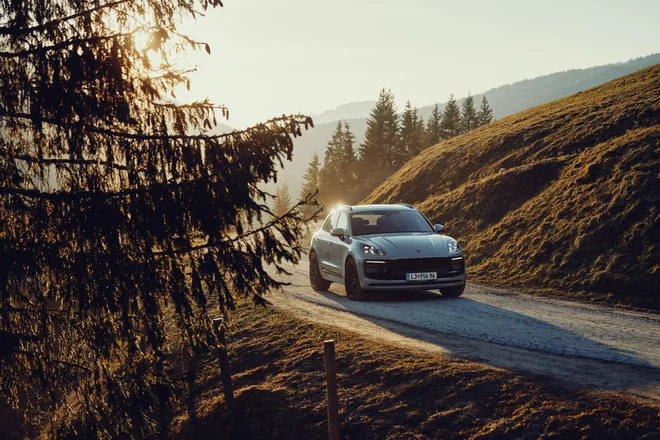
[
  {"x": 225, "y": 373},
  {"x": 331, "y": 382}
]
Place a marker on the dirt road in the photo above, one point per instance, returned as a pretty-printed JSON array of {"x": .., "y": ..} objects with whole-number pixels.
[{"x": 571, "y": 343}]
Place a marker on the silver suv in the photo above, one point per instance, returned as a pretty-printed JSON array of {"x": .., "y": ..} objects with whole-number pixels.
[{"x": 384, "y": 247}]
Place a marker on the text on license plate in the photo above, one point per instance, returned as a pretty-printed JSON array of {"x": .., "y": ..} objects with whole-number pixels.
[{"x": 421, "y": 276}]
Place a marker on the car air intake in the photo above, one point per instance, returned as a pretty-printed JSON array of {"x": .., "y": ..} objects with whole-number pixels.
[{"x": 445, "y": 267}]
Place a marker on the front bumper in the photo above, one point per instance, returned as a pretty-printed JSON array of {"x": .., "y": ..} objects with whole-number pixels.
[{"x": 390, "y": 274}]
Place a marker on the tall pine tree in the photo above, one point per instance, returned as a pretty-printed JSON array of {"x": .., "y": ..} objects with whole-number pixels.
[
  {"x": 412, "y": 135},
  {"x": 434, "y": 127},
  {"x": 282, "y": 202},
  {"x": 469, "y": 115},
  {"x": 126, "y": 226},
  {"x": 331, "y": 189},
  {"x": 311, "y": 184},
  {"x": 451, "y": 119},
  {"x": 348, "y": 165},
  {"x": 420, "y": 135},
  {"x": 485, "y": 114},
  {"x": 378, "y": 152}
]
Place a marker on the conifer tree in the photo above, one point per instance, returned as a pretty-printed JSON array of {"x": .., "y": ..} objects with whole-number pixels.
[
  {"x": 434, "y": 127},
  {"x": 348, "y": 164},
  {"x": 378, "y": 152},
  {"x": 485, "y": 114},
  {"x": 126, "y": 225},
  {"x": 331, "y": 189},
  {"x": 412, "y": 135},
  {"x": 469, "y": 118},
  {"x": 451, "y": 119},
  {"x": 338, "y": 175},
  {"x": 408, "y": 133},
  {"x": 420, "y": 135},
  {"x": 282, "y": 203},
  {"x": 311, "y": 184}
]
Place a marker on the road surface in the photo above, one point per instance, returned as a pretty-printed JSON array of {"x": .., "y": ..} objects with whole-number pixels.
[{"x": 571, "y": 343}]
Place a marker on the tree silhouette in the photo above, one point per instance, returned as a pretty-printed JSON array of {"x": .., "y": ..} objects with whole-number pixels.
[
  {"x": 420, "y": 136},
  {"x": 331, "y": 190},
  {"x": 469, "y": 119},
  {"x": 381, "y": 140},
  {"x": 127, "y": 224},
  {"x": 282, "y": 202},
  {"x": 348, "y": 164},
  {"x": 412, "y": 135},
  {"x": 311, "y": 184},
  {"x": 434, "y": 127},
  {"x": 485, "y": 114},
  {"x": 338, "y": 176},
  {"x": 451, "y": 119}
]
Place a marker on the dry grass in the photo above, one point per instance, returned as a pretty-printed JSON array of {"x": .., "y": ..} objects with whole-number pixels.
[
  {"x": 388, "y": 392},
  {"x": 563, "y": 196}
]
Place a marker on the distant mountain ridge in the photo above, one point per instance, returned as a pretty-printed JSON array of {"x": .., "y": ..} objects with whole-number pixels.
[
  {"x": 354, "y": 110},
  {"x": 512, "y": 98},
  {"x": 222, "y": 128},
  {"x": 504, "y": 100}
]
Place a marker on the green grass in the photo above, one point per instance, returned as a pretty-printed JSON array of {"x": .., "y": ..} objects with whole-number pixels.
[{"x": 564, "y": 197}]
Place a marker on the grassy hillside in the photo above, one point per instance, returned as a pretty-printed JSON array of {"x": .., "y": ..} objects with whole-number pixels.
[{"x": 565, "y": 195}]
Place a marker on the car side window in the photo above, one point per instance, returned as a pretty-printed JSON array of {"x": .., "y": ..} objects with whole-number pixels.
[
  {"x": 342, "y": 222},
  {"x": 329, "y": 224}
]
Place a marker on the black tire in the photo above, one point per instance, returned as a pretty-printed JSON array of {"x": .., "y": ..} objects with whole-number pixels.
[
  {"x": 317, "y": 282},
  {"x": 352, "y": 282},
  {"x": 453, "y": 292}
]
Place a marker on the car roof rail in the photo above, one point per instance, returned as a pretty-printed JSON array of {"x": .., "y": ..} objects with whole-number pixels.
[
  {"x": 350, "y": 208},
  {"x": 408, "y": 205}
]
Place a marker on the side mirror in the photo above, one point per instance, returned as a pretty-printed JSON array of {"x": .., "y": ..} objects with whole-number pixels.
[
  {"x": 339, "y": 233},
  {"x": 439, "y": 229}
]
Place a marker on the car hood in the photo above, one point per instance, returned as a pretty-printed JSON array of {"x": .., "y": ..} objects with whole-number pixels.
[{"x": 410, "y": 245}]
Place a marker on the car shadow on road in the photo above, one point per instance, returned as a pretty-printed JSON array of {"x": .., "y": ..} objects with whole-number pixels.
[
  {"x": 394, "y": 296},
  {"x": 502, "y": 338}
]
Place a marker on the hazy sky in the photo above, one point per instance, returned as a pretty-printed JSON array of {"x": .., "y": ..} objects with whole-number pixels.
[{"x": 274, "y": 57}]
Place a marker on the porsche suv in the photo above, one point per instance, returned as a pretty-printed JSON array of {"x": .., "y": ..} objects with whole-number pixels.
[{"x": 384, "y": 247}]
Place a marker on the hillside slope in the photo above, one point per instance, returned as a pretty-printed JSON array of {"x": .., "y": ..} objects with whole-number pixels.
[{"x": 565, "y": 195}]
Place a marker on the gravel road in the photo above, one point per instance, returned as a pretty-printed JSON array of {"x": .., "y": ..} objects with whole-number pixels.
[{"x": 571, "y": 343}]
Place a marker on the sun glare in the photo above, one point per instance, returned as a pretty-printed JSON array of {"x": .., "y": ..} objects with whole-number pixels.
[{"x": 142, "y": 41}]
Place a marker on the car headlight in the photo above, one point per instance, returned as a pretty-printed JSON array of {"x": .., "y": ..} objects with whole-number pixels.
[
  {"x": 371, "y": 250},
  {"x": 453, "y": 246}
]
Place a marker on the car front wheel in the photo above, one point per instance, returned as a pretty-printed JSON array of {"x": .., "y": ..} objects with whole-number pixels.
[
  {"x": 453, "y": 292},
  {"x": 352, "y": 282},
  {"x": 315, "y": 279}
]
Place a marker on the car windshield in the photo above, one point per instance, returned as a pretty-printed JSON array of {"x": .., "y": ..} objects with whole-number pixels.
[{"x": 388, "y": 222}]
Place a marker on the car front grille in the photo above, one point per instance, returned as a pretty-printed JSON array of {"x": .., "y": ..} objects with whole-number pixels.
[{"x": 445, "y": 267}]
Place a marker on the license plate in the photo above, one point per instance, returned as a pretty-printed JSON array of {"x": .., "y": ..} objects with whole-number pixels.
[{"x": 421, "y": 276}]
